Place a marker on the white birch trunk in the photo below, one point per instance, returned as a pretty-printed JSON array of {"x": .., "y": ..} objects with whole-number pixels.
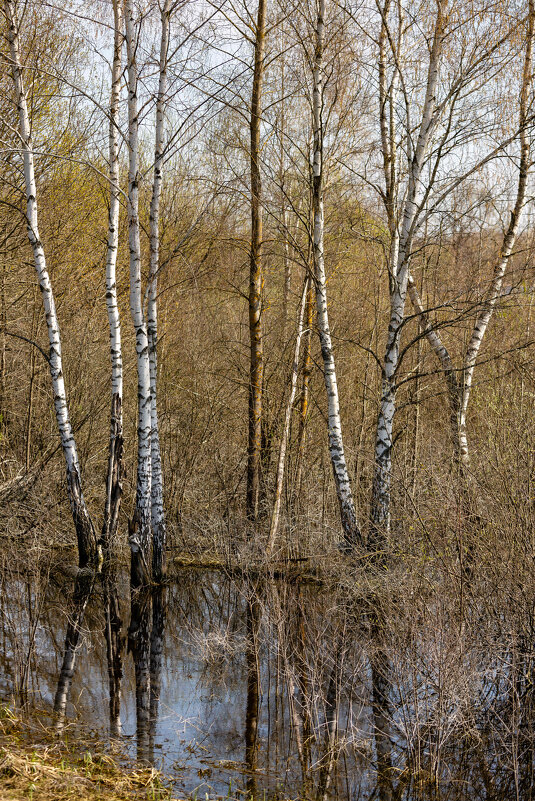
[
  {"x": 459, "y": 388},
  {"x": 113, "y": 484},
  {"x": 352, "y": 535},
  {"x": 157, "y": 507},
  {"x": 140, "y": 532},
  {"x": 281, "y": 463},
  {"x": 399, "y": 272},
  {"x": 113, "y": 219},
  {"x": 509, "y": 239},
  {"x": 114, "y": 488},
  {"x": 87, "y": 541}
]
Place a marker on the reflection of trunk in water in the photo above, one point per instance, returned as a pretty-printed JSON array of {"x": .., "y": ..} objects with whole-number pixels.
[
  {"x": 139, "y": 644},
  {"x": 83, "y": 587},
  {"x": 331, "y": 721},
  {"x": 115, "y": 641},
  {"x": 113, "y": 625},
  {"x": 159, "y": 609},
  {"x": 292, "y": 643},
  {"x": 380, "y": 705},
  {"x": 26, "y": 651},
  {"x": 304, "y": 691},
  {"x": 253, "y": 617},
  {"x": 390, "y": 670}
]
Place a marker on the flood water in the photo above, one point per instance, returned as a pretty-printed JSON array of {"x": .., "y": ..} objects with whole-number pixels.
[{"x": 287, "y": 689}]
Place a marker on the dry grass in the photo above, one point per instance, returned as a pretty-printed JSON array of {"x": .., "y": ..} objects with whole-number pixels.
[{"x": 38, "y": 764}]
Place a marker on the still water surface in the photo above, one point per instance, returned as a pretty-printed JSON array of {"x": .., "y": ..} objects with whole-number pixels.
[{"x": 277, "y": 689}]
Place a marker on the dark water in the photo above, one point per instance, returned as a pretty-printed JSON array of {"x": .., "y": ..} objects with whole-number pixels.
[{"x": 284, "y": 689}]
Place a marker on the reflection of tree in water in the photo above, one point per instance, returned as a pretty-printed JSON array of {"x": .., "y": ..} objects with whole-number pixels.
[
  {"x": 381, "y": 710},
  {"x": 253, "y": 617},
  {"x": 311, "y": 653},
  {"x": 319, "y": 696},
  {"x": 139, "y": 633},
  {"x": 83, "y": 587},
  {"x": 159, "y": 604},
  {"x": 115, "y": 642}
]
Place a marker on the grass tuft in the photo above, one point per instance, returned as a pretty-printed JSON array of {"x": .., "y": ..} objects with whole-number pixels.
[{"x": 38, "y": 764}]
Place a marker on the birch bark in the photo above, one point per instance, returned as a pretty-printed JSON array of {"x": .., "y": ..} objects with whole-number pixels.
[
  {"x": 281, "y": 462},
  {"x": 459, "y": 383},
  {"x": 114, "y": 478},
  {"x": 157, "y": 507},
  {"x": 352, "y": 534},
  {"x": 114, "y": 488},
  {"x": 303, "y": 399},
  {"x": 256, "y": 374},
  {"x": 85, "y": 531},
  {"x": 140, "y": 530},
  {"x": 509, "y": 239},
  {"x": 400, "y": 251}
]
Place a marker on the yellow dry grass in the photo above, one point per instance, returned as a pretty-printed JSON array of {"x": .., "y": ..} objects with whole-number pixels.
[{"x": 38, "y": 765}]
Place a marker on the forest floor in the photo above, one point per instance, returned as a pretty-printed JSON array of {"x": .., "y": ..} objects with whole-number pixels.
[{"x": 38, "y": 764}]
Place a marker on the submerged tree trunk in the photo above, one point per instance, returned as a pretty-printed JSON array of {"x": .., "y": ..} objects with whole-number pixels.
[
  {"x": 157, "y": 513},
  {"x": 85, "y": 531},
  {"x": 352, "y": 534},
  {"x": 140, "y": 529},
  {"x": 287, "y": 601},
  {"x": 115, "y": 642},
  {"x": 256, "y": 376}
]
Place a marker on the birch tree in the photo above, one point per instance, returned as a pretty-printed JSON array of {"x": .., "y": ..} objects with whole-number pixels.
[
  {"x": 459, "y": 380},
  {"x": 352, "y": 535},
  {"x": 140, "y": 530},
  {"x": 281, "y": 462},
  {"x": 85, "y": 531},
  {"x": 418, "y": 175},
  {"x": 400, "y": 250},
  {"x": 157, "y": 503},
  {"x": 114, "y": 488},
  {"x": 305, "y": 391},
  {"x": 115, "y": 467}
]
